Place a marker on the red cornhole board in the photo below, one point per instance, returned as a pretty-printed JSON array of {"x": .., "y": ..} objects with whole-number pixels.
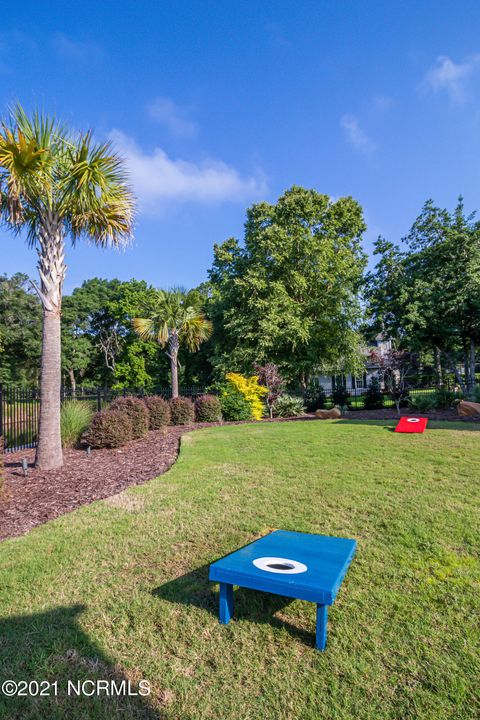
[{"x": 411, "y": 425}]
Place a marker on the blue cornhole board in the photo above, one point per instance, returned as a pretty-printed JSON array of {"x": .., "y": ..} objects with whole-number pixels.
[{"x": 293, "y": 564}]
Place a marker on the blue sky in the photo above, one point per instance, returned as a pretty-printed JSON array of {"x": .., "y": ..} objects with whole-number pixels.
[{"x": 216, "y": 105}]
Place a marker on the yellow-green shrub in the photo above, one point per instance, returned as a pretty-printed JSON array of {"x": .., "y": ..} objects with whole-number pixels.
[{"x": 251, "y": 391}]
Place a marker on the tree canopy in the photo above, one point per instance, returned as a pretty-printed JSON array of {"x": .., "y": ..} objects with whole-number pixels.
[
  {"x": 426, "y": 292},
  {"x": 289, "y": 293}
]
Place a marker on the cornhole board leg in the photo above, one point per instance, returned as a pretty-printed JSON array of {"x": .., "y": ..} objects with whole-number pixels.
[
  {"x": 321, "y": 634},
  {"x": 226, "y": 603}
]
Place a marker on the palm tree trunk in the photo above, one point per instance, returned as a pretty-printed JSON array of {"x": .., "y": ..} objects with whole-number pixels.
[
  {"x": 173, "y": 345},
  {"x": 51, "y": 268}
]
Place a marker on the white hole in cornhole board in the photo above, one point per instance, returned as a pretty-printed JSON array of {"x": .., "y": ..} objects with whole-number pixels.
[
  {"x": 414, "y": 420},
  {"x": 285, "y": 566}
]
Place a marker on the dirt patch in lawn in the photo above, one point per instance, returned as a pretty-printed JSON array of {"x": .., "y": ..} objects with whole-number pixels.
[{"x": 26, "y": 502}]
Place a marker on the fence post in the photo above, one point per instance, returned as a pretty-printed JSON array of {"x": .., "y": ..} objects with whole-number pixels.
[
  {"x": 1, "y": 410},
  {"x": 99, "y": 399}
]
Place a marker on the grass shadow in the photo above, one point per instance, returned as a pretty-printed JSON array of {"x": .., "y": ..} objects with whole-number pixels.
[
  {"x": 51, "y": 646},
  {"x": 194, "y": 588}
]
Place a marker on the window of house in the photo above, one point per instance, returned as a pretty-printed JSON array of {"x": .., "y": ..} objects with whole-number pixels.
[
  {"x": 359, "y": 383},
  {"x": 339, "y": 381}
]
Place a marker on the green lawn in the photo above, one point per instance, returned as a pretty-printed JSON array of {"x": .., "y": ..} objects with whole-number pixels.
[{"x": 119, "y": 589}]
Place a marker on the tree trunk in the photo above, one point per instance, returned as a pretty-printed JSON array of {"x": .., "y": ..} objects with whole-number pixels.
[
  {"x": 173, "y": 345},
  {"x": 466, "y": 365},
  {"x": 454, "y": 369},
  {"x": 49, "y": 449},
  {"x": 438, "y": 366},
  {"x": 73, "y": 382},
  {"x": 51, "y": 268},
  {"x": 472, "y": 362}
]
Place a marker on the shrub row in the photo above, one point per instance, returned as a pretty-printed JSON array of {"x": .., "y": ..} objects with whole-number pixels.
[
  {"x": 1, "y": 463},
  {"x": 129, "y": 418}
]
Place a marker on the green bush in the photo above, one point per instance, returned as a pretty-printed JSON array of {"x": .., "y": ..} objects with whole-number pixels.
[
  {"x": 340, "y": 396},
  {"x": 474, "y": 394},
  {"x": 109, "y": 429},
  {"x": 233, "y": 404},
  {"x": 75, "y": 417},
  {"x": 444, "y": 398},
  {"x": 373, "y": 398},
  {"x": 183, "y": 411},
  {"x": 136, "y": 410},
  {"x": 314, "y": 398},
  {"x": 423, "y": 402},
  {"x": 252, "y": 391},
  {"x": 288, "y": 406},
  {"x": 208, "y": 409},
  {"x": 159, "y": 412}
]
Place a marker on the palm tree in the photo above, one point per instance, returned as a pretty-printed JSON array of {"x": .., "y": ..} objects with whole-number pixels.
[
  {"x": 174, "y": 317},
  {"x": 56, "y": 184}
]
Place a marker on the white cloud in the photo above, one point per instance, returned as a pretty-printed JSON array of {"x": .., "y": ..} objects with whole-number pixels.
[
  {"x": 382, "y": 104},
  {"x": 70, "y": 49},
  {"x": 451, "y": 77},
  {"x": 355, "y": 135},
  {"x": 159, "y": 180},
  {"x": 175, "y": 118}
]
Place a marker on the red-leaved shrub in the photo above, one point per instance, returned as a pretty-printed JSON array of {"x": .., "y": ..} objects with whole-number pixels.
[
  {"x": 183, "y": 411},
  {"x": 136, "y": 410},
  {"x": 208, "y": 409},
  {"x": 109, "y": 429},
  {"x": 159, "y": 411},
  {"x": 1, "y": 463}
]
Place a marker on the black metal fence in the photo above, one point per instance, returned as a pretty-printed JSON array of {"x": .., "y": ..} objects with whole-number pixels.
[{"x": 20, "y": 407}]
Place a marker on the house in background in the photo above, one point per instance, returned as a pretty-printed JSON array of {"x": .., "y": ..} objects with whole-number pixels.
[{"x": 380, "y": 347}]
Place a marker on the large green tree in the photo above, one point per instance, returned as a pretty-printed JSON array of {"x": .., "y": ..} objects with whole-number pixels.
[
  {"x": 289, "y": 293},
  {"x": 426, "y": 292},
  {"x": 20, "y": 331},
  {"x": 56, "y": 184},
  {"x": 99, "y": 345}
]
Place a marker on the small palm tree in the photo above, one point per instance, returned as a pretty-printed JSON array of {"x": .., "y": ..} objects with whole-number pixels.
[
  {"x": 174, "y": 317},
  {"x": 55, "y": 184}
]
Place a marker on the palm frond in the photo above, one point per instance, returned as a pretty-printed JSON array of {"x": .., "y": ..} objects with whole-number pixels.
[
  {"x": 175, "y": 312},
  {"x": 43, "y": 167},
  {"x": 94, "y": 194}
]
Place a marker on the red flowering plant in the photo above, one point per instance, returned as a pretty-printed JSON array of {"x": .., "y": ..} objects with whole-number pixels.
[{"x": 269, "y": 376}]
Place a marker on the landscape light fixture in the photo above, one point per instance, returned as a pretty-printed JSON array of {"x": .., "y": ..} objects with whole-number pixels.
[
  {"x": 89, "y": 450},
  {"x": 25, "y": 467}
]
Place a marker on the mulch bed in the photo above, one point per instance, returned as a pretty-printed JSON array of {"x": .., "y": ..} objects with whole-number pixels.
[
  {"x": 29, "y": 501},
  {"x": 26, "y": 502}
]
